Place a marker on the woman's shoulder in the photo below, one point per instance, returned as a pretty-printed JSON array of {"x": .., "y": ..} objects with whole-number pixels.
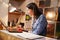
[{"x": 42, "y": 16}]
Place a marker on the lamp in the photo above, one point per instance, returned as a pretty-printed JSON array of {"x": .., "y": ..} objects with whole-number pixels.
[{"x": 51, "y": 15}]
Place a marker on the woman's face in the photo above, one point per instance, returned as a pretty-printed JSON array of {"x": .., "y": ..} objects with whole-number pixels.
[{"x": 30, "y": 12}]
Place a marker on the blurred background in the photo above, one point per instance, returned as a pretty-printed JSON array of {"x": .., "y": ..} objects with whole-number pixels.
[{"x": 14, "y": 12}]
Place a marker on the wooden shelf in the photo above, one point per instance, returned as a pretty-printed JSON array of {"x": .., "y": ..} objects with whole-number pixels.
[
  {"x": 15, "y": 13},
  {"x": 19, "y": 0}
]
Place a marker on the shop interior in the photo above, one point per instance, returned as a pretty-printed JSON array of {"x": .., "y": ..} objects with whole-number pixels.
[{"x": 14, "y": 13}]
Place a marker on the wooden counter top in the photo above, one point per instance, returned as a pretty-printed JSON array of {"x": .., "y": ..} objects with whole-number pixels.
[{"x": 22, "y": 36}]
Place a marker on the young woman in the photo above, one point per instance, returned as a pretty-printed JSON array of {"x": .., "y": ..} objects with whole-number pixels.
[{"x": 40, "y": 23}]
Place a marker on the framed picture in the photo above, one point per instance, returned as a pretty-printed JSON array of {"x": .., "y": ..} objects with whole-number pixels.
[{"x": 44, "y": 3}]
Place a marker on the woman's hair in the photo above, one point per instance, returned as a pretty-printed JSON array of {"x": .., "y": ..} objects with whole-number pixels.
[{"x": 34, "y": 7}]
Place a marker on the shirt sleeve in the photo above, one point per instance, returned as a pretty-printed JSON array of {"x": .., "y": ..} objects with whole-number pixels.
[{"x": 41, "y": 24}]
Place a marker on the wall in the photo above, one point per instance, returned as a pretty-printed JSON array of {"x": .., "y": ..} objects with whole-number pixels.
[
  {"x": 23, "y": 6},
  {"x": 4, "y": 11},
  {"x": 54, "y": 3}
]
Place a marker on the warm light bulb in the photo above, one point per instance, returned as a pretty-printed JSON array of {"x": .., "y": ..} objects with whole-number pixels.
[{"x": 50, "y": 15}]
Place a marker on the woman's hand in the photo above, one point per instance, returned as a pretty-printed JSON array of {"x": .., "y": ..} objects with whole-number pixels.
[
  {"x": 17, "y": 28},
  {"x": 9, "y": 28}
]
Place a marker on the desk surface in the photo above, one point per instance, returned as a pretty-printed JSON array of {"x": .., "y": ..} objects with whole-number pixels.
[{"x": 26, "y": 35}]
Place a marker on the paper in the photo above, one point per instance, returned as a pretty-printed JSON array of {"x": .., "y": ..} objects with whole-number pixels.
[{"x": 29, "y": 35}]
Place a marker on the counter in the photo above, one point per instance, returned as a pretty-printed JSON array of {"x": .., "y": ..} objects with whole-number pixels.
[{"x": 6, "y": 35}]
